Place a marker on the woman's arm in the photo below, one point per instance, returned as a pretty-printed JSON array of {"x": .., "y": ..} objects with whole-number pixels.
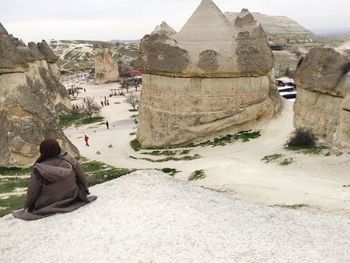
[
  {"x": 81, "y": 177},
  {"x": 33, "y": 191}
]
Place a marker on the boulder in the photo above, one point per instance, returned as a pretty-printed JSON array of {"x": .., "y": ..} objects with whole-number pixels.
[
  {"x": 322, "y": 105},
  {"x": 211, "y": 78},
  {"x": 31, "y": 99},
  {"x": 106, "y": 70}
]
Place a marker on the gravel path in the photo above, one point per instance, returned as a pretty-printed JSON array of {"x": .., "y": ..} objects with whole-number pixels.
[{"x": 150, "y": 217}]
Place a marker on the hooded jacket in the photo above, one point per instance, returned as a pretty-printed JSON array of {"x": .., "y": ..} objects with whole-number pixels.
[{"x": 57, "y": 185}]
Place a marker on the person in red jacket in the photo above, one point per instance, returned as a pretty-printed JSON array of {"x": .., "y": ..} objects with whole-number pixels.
[{"x": 86, "y": 139}]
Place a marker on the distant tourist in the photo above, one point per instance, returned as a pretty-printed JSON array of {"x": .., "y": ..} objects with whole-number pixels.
[
  {"x": 84, "y": 90},
  {"x": 107, "y": 102},
  {"x": 102, "y": 103},
  {"x": 86, "y": 139},
  {"x": 57, "y": 184},
  {"x": 107, "y": 125}
]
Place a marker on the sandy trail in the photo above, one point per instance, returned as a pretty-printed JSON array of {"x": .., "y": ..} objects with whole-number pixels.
[{"x": 312, "y": 181}]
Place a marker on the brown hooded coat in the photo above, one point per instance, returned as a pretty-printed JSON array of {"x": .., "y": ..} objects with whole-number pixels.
[{"x": 57, "y": 185}]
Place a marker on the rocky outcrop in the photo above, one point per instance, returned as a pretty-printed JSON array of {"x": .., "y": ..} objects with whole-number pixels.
[
  {"x": 211, "y": 78},
  {"x": 106, "y": 70},
  {"x": 323, "y": 102},
  {"x": 31, "y": 98},
  {"x": 280, "y": 29}
]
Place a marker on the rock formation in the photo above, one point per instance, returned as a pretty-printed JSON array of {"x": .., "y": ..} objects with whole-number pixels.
[
  {"x": 323, "y": 102},
  {"x": 105, "y": 69},
  {"x": 31, "y": 97},
  {"x": 280, "y": 29},
  {"x": 211, "y": 78}
]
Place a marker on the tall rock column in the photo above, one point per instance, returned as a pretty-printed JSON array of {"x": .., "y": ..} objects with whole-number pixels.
[
  {"x": 323, "y": 102},
  {"x": 213, "y": 77},
  {"x": 28, "y": 105},
  {"x": 106, "y": 70}
]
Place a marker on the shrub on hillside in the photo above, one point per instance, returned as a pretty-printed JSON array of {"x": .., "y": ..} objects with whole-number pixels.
[{"x": 302, "y": 138}]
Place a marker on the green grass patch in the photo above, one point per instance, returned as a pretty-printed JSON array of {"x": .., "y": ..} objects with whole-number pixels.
[
  {"x": 78, "y": 119},
  {"x": 8, "y": 185},
  {"x": 197, "y": 175},
  {"x": 15, "y": 171},
  {"x": 319, "y": 149},
  {"x": 133, "y": 110},
  {"x": 108, "y": 174},
  {"x": 272, "y": 158},
  {"x": 11, "y": 203},
  {"x": 286, "y": 161},
  {"x": 244, "y": 136},
  {"x": 296, "y": 206},
  {"x": 136, "y": 145},
  {"x": 96, "y": 172},
  {"x": 171, "y": 158},
  {"x": 170, "y": 171},
  {"x": 167, "y": 152},
  {"x": 278, "y": 158}
]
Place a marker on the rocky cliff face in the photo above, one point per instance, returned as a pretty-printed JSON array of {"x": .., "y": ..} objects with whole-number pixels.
[
  {"x": 106, "y": 70},
  {"x": 213, "y": 77},
  {"x": 31, "y": 97},
  {"x": 323, "y": 102},
  {"x": 280, "y": 29}
]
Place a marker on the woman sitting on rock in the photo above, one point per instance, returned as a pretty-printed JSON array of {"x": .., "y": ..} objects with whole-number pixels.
[{"x": 57, "y": 185}]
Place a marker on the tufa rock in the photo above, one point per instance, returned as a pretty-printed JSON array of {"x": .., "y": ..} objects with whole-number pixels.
[
  {"x": 31, "y": 98},
  {"x": 323, "y": 102},
  {"x": 164, "y": 28},
  {"x": 47, "y": 52},
  {"x": 105, "y": 69},
  {"x": 279, "y": 29},
  {"x": 213, "y": 77}
]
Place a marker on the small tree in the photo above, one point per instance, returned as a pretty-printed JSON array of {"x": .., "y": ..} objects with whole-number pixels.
[
  {"x": 302, "y": 138},
  {"x": 90, "y": 107},
  {"x": 133, "y": 100}
]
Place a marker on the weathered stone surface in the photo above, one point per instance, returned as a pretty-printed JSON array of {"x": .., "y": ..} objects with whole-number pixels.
[
  {"x": 105, "y": 69},
  {"x": 279, "y": 29},
  {"x": 47, "y": 52},
  {"x": 35, "y": 51},
  {"x": 213, "y": 77},
  {"x": 10, "y": 54},
  {"x": 3, "y": 30},
  {"x": 159, "y": 53},
  {"x": 322, "y": 70},
  {"x": 164, "y": 28},
  {"x": 31, "y": 97},
  {"x": 178, "y": 111},
  {"x": 323, "y": 102},
  {"x": 240, "y": 48}
]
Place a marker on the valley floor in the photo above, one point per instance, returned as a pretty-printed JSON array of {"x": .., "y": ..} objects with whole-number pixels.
[
  {"x": 148, "y": 216},
  {"x": 315, "y": 182}
]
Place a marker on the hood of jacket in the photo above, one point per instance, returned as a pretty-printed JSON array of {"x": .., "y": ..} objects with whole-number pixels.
[{"x": 55, "y": 169}]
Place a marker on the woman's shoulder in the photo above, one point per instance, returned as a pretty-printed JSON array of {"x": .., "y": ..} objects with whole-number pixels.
[{"x": 68, "y": 158}]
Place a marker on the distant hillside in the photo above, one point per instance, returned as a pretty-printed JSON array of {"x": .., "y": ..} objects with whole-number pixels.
[
  {"x": 78, "y": 55},
  {"x": 280, "y": 29},
  {"x": 337, "y": 33}
]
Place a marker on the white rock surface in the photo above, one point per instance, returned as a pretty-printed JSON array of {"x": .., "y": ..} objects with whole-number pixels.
[{"x": 150, "y": 217}]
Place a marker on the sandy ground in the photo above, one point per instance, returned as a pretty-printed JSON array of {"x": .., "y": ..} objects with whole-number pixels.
[
  {"x": 150, "y": 217},
  {"x": 312, "y": 181}
]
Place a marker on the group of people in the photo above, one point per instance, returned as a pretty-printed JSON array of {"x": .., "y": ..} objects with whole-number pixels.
[{"x": 104, "y": 102}]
